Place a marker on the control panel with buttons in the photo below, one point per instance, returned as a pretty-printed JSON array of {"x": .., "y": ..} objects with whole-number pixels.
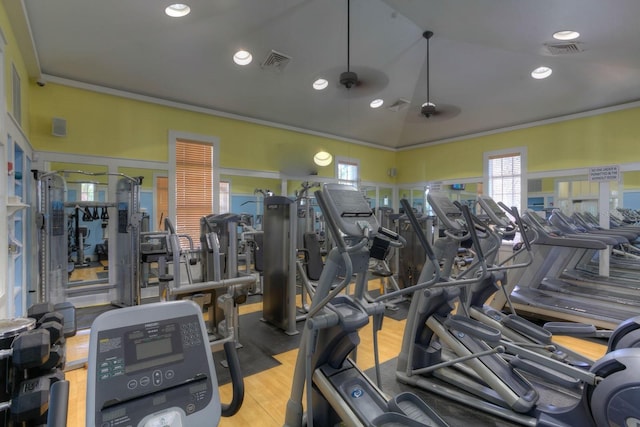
[{"x": 151, "y": 365}]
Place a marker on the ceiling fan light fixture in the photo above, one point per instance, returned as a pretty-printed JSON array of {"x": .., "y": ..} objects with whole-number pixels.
[
  {"x": 428, "y": 109},
  {"x": 565, "y": 35},
  {"x": 348, "y": 79},
  {"x": 177, "y": 10},
  {"x": 322, "y": 158},
  {"x": 320, "y": 84},
  {"x": 541, "y": 73},
  {"x": 376, "y": 103},
  {"x": 242, "y": 57}
]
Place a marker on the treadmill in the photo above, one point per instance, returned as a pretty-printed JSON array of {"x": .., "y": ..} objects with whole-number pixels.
[{"x": 541, "y": 291}]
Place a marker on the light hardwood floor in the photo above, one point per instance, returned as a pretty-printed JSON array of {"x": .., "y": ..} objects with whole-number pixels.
[{"x": 266, "y": 393}]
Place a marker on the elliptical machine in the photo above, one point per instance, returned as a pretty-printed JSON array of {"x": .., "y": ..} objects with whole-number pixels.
[
  {"x": 337, "y": 390},
  {"x": 461, "y": 359}
]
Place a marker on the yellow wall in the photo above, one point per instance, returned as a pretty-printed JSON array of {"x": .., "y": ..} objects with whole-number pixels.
[
  {"x": 106, "y": 125},
  {"x": 70, "y": 176},
  {"x": 14, "y": 57},
  {"x": 248, "y": 185},
  {"x": 631, "y": 180},
  {"x": 146, "y": 174},
  {"x": 606, "y": 139}
]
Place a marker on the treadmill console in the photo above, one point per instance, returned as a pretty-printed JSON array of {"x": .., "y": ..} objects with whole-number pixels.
[
  {"x": 447, "y": 212},
  {"x": 350, "y": 209},
  {"x": 151, "y": 365}
]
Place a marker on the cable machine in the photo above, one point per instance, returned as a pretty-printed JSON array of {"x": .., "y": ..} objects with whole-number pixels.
[
  {"x": 129, "y": 221},
  {"x": 54, "y": 263},
  {"x": 52, "y": 238}
]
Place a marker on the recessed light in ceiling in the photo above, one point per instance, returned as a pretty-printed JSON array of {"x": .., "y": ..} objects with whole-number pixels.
[
  {"x": 242, "y": 57},
  {"x": 541, "y": 73},
  {"x": 566, "y": 35},
  {"x": 376, "y": 103},
  {"x": 320, "y": 84},
  {"x": 177, "y": 10}
]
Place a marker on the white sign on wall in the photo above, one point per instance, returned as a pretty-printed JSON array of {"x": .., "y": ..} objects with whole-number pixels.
[{"x": 604, "y": 173}]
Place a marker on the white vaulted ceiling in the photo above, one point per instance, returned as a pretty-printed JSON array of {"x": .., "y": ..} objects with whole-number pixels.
[{"x": 481, "y": 57}]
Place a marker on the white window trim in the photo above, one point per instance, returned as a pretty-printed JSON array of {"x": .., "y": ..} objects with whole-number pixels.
[
  {"x": 522, "y": 151},
  {"x": 175, "y": 136}
]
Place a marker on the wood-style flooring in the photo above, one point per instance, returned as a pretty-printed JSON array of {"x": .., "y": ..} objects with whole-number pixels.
[{"x": 266, "y": 392}]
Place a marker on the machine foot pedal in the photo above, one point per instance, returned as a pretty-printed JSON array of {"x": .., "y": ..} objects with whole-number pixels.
[{"x": 415, "y": 409}]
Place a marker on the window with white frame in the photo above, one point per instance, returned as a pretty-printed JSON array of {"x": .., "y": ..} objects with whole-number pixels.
[
  {"x": 87, "y": 192},
  {"x": 504, "y": 173},
  {"x": 225, "y": 196},
  {"x": 347, "y": 171}
]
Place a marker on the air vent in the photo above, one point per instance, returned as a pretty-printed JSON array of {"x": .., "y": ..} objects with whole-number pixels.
[
  {"x": 399, "y": 105},
  {"x": 563, "y": 48},
  {"x": 275, "y": 61}
]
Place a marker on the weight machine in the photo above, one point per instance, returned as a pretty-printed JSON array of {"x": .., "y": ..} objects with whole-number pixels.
[{"x": 53, "y": 238}]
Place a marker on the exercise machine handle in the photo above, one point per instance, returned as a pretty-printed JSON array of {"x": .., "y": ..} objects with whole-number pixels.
[
  {"x": 237, "y": 380},
  {"x": 466, "y": 212},
  {"x": 58, "y": 404},
  {"x": 525, "y": 238},
  {"x": 408, "y": 210},
  {"x": 331, "y": 222}
]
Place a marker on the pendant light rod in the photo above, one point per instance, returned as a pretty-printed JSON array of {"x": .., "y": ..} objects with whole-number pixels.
[
  {"x": 427, "y": 35},
  {"x": 348, "y": 78},
  {"x": 348, "y": 35}
]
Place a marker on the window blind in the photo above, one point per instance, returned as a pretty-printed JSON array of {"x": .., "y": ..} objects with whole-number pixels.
[
  {"x": 505, "y": 179},
  {"x": 194, "y": 186},
  {"x": 348, "y": 173}
]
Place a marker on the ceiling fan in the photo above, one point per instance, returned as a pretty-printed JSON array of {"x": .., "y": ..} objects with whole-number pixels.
[
  {"x": 429, "y": 109},
  {"x": 367, "y": 80}
]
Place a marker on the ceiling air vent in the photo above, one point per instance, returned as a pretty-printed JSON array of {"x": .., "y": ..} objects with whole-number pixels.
[
  {"x": 399, "y": 105},
  {"x": 275, "y": 61},
  {"x": 563, "y": 48}
]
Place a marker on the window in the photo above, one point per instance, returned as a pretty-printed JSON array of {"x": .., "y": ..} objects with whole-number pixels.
[
  {"x": 194, "y": 184},
  {"x": 504, "y": 174},
  {"x": 87, "y": 192},
  {"x": 347, "y": 171},
  {"x": 225, "y": 196}
]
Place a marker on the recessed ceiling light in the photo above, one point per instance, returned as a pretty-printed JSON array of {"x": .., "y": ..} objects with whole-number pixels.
[
  {"x": 320, "y": 84},
  {"x": 177, "y": 10},
  {"x": 541, "y": 72},
  {"x": 376, "y": 103},
  {"x": 566, "y": 35},
  {"x": 242, "y": 57}
]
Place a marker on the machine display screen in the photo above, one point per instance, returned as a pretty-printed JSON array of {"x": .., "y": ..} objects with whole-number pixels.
[
  {"x": 149, "y": 349},
  {"x": 153, "y": 346}
]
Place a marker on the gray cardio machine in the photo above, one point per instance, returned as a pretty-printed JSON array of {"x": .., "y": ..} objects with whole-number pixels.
[
  {"x": 338, "y": 392},
  {"x": 462, "y": 359},
  {"x": 151, "y": 366}
]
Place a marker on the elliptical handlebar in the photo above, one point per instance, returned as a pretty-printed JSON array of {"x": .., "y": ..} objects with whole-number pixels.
[
  {"x": 471, "y": 229},
  {"x": 408, "y": 210}
]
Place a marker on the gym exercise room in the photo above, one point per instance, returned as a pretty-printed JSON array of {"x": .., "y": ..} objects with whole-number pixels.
[{"x": 298, "y": 213}]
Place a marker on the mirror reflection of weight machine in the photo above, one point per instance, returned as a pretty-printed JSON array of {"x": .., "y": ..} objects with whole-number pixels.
[{"x": 79, "y": 230}]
